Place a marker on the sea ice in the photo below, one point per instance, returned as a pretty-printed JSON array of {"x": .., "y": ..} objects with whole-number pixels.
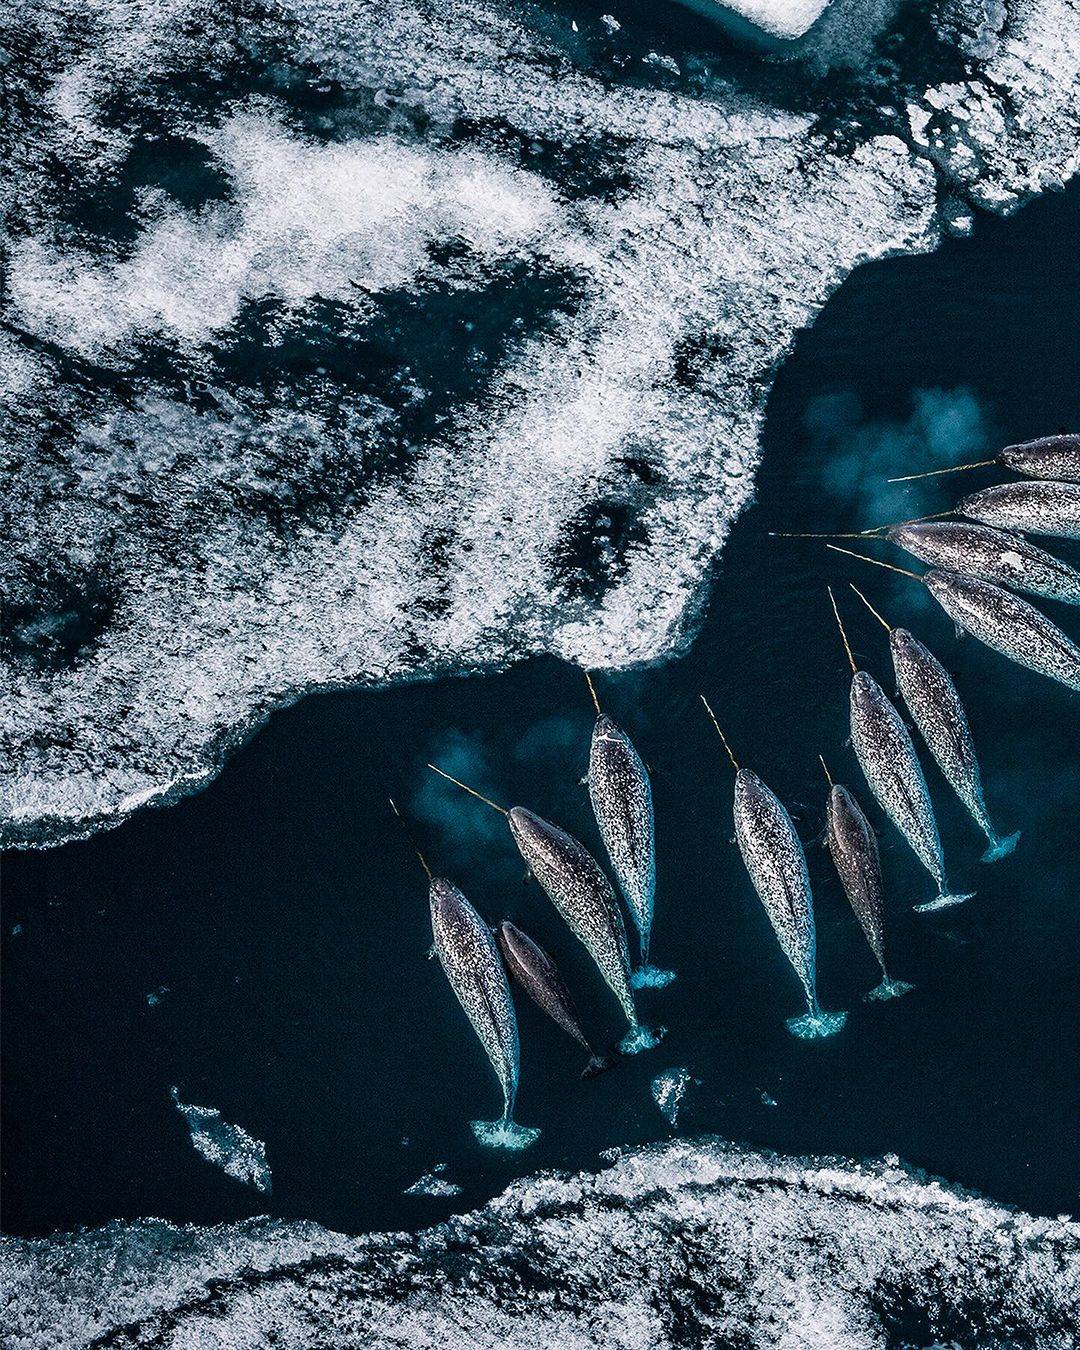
[
  {"x": 226, "y": 1146},
  {"x": 669, "y": 1090}
]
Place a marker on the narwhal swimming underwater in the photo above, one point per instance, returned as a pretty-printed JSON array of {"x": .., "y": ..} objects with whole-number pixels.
[
  {"x": 1002, "y": 621},
  {"x": 531, "y": 967},
  {"x": 582, "y": 894},
  {"x": 468, "y": 955},
  {"x": 1047, "y": 457},
  {"x": 975, "y": 550},
  {"x": 1040, "y": 507},
  {"x": 891, "y": 767},
  {"x": 774, "y": 857},
  {"x": 934, "y": 703},
  {"x": 854, "y": 850},
  {"x": 622, "y": 803}
]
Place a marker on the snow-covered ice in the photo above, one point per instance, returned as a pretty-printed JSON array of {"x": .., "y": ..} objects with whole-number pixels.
[{"x": 226, "y": 1146}]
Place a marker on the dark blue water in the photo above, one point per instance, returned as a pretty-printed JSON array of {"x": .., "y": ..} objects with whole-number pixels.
[{"x": 285, "y": 923}]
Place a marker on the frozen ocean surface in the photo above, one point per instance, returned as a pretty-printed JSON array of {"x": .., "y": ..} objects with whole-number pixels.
[{"x": 235, "y": 469}]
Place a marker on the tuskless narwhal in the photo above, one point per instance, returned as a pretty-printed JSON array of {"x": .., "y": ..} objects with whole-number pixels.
[
  {"x": 1003, "y": 621},
  {"x": 975, "y": 550},
  {"x": 531, "y": 967},
  {"x": 854, "y": 850},
  {"x": 1040, "y": 507},
  {"x": 467, "y": 953},
  {"x": 1047, "y": 457},
  {"x": 621, "y": 799},
  {"x": 582, "y": 894},
  {"x": 932, "y": 699},
  {"x": 891, "y": 767},
  {"x": 774, "y": 857}
]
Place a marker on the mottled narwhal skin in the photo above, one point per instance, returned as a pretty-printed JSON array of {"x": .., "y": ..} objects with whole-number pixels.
[
  {"x": 468, "y": 955},
  {"x": 888, "y": 760},
  {"x": 1045, "y": 506},
  {"x": 621, "y": 799},
  {"x": 582, "y": 894},
  {"x": 992, "y": 555},
  {"x": 1047, "y": 457},
  {"x": 531, "y": 967},
  {"x": 774, "y": 857},
  {"x": 931, "y": 697},
  {"x": 854, "y": 851},
  {"x": 1007, "y": 624}
]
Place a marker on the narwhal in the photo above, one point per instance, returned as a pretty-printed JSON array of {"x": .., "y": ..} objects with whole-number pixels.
[
  {"x": 582, "y": 894},
  {"x": 773, "y": 855},
  {"x": 531, "y": 967},
  {"x": 974, "y": 550},
  {"x": 1040, "y": 507},
  {"x": 891, "y": 767},
  {"x": 467, "y": 953},
  {"x": 934, "y": 703},
  {"x": 621, "y": 799},
  {"x": 1003, "y": 621},
  {"x": 1047, "y": 457},
  {"x": 854, "y": 850}
]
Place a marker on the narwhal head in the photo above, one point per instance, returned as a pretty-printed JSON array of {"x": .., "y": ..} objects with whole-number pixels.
[
  {"x": 952, "y": 591},
  {"x": 1049, "y": 457},
  {"x": 750, "y": 791},
  {"x": 866, "y": 693},
  {"x": 904, "y": 647},
  {"x": 606, "y": 730}
]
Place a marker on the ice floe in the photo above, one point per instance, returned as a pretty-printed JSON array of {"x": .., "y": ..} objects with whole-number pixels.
[{"x": 226, "y": 1146}]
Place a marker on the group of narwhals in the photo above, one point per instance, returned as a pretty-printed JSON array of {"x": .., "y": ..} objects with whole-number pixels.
[{"x": 971, "y": 562}]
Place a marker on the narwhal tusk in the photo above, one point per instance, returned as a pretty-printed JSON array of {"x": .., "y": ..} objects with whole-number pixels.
[
  {"x": 936, "y": 473},
  {"x": 843, "y": 635},
  {"x": 914, "y": 520},
  {"x": 408, "y": 836},
  {"x": 828, "y": 775},
  {"x": 876, "y": 561},
  {"x": 592, "y": 692},
  {"x": 887, "y": 626},
  {"x": 471, "y": 791},
  {"x": 716, "y": 724}
]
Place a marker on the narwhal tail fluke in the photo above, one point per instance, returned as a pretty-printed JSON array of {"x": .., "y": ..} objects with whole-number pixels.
[
  {"x": 816, "y": 1024},
  {"x": 888, "y": 989},
  {"x": 640, "y": 1038},
  {"x": 651, "y": 977},
  {"x": 1001, "y": 845},
  {"x": 943, "y": 900},
  {"x": 599, "y": 1064},
  {"x": 504, "y": 1133}
]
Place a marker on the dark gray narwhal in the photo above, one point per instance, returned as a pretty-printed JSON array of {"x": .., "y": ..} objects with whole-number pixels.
[
  {"x": 1047, "y": 457},
  {"x": 774, "y": 857},
  {"x": 854, "y": 850},
  {"x": 934, "y": 703},
  {"x": 891, "y": 767},
  {"x": 1040, "y": 507},
  {"x": 974, "y": 550},
  {"x": 467, "y": 953},
  {"x": 531, "y": 967},
  {"x": 621, "y": 799},
  {"x": 1003, "y": 621},
  {"x": 582, "y": 894}
]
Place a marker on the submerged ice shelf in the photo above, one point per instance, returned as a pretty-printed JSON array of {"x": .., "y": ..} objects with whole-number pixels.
[
  {"x": 784, "y": 1252},
  {"x": 235, "y": 469}
]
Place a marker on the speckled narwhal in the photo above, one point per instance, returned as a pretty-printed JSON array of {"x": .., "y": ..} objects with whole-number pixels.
[
  {"x": 621, "y": 797},
  {"x": 531, "y": 967},
  {"x": 891, "y": 767},
  {"x": 467, "y": 953},
  {"x": 974, "y": 550},
  {"x": 1047, "y": 457},
  {"x": 1040, "y": 507},
  {"x": 582, "y": 894},
  {"x": 1003, "y": 621},
  {"x": 774, "y": 857},
  {"x": 854, "y": 850},
  {"x": 932, "y": 699}
]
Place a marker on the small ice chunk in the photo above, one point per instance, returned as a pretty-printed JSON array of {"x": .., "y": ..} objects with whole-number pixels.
[
  {"x": 610, "y": 22},
  {"x": 433, "y": 1183},
  {"x": 767, "y": 1100},
  {"x": 669, "y": 1089},
  {"x": 663, "y": 62},
  {"x": 780, "y": 18},
  {"x": 156, "y": 995},
  {"x": 226, "y": 1146}
]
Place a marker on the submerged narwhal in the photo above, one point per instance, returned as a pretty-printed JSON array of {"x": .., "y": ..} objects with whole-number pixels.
[
  {"x": 467, "y": 953},
  {"x": 974, "y": 550},
  {"x": 1044, "y": 506},
  {"x": 1047, "y": 457},
  {"x": 854, "y": 850},
  {"x": 531, "y": 967},
  {"x": 891, "y": 767},
  {"x": 582, "y": 894},
  {"x": 1003, "y": 621},
  {"x": 773, "y": 855},
  {"x": 621, "y": 797},
  {"x": 932, "y": 700}
]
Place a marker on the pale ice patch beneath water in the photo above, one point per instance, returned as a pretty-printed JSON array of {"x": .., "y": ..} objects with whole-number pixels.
[
  {"x": 226, "y": 1145},
  {"x": 686, "y": 1243},
  {"x": 237, "y": 468}
]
